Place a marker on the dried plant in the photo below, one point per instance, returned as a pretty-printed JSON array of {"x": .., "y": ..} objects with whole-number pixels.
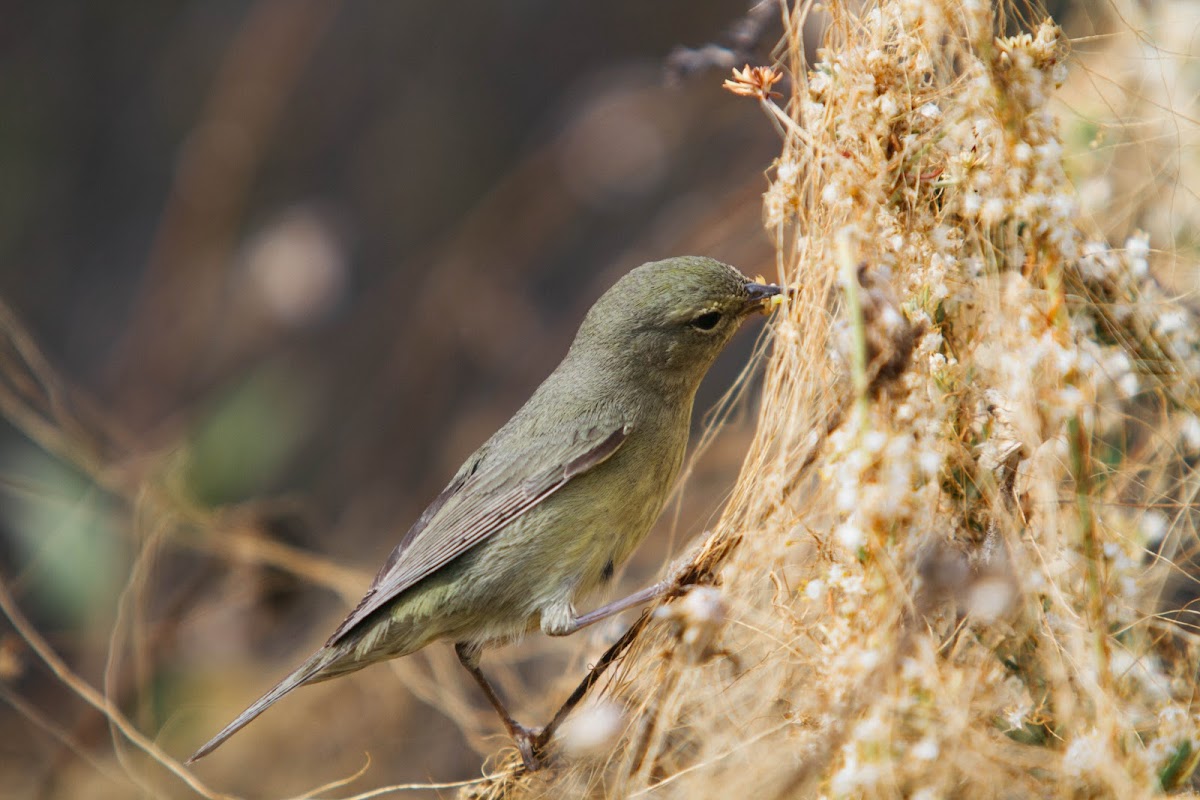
[{"x": 939, "y": 572}]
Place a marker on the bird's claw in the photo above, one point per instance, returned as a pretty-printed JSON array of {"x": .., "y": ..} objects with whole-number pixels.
[{"x": 528, "y": 744}]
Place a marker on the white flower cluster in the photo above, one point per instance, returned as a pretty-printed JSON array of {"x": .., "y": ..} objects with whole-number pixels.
[
  {"x": 1087, "y": 754},
  {"x": 1003, "y": 155},
  {"x": 946, "y": 174}
]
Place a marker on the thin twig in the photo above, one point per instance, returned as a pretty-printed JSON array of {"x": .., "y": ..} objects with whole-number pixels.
[
  {"x": 95, "y": 699},
  {"x": 611, "y": 655}
]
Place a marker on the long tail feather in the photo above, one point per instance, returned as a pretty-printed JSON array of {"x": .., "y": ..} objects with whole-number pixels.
[{"x": 301, "y": 675}]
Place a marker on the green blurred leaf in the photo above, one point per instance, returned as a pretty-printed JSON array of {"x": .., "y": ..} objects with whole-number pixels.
[
  {"x": 251, "y": 434},
  {"x": 73, "y": 558},
  {"x": 1179, "y": 766}
]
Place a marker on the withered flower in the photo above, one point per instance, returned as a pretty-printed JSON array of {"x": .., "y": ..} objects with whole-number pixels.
[{"x": 754, "y": 82}]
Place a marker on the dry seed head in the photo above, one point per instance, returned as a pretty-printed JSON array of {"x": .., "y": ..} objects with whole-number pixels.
[
  {"x": 698, "y": 618},
  {"x": 754, "y": 82}
]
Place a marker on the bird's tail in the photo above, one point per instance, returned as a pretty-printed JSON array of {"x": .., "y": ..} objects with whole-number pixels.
[{"x": 305, "y": 673}]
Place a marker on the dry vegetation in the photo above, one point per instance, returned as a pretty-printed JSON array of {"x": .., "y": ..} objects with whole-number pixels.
[
  {"x": 958, "y": 556},
  {"x": 940, "y": 575}
]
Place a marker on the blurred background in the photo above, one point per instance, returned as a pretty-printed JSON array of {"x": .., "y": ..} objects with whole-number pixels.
[{"x": 272, "y": 270}]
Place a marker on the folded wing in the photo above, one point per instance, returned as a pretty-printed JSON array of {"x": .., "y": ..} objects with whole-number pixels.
[{"x": 481, "y": 500}]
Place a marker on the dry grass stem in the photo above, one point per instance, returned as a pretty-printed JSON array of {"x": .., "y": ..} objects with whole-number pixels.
[{"x": 98, "y": 701}]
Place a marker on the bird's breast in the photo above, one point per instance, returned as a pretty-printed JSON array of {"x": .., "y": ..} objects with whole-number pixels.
[{"x": 626, "y": 494}]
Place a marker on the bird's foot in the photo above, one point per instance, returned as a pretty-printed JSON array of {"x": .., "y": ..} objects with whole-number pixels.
[{"x": 528, "y": 744}]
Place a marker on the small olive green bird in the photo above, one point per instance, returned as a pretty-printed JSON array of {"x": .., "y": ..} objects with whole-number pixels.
[{"x": 544, "y": 511}]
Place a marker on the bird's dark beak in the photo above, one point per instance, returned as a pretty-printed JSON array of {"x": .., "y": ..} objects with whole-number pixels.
[{"x": 761, "y": 297}]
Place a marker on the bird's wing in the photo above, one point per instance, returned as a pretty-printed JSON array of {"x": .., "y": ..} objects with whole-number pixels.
[{"x": 479, "y": 502}]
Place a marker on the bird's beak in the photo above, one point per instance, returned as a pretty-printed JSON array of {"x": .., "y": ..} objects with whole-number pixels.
[{"x": 763, "y": 297}]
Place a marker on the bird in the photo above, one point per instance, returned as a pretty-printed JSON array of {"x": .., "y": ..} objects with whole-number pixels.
[{"x": 545, "y": 510}]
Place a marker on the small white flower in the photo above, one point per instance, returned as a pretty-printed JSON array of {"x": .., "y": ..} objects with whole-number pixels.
[
  {"x": 868, "y": 659},
  {"x": 871, "y": 729},
  {"x": 930, "y": 462},
  {"x": 850, "y": 536},
  {"x": 592, "y": 731},
  {"x": 1015, "y": 717},
  {"x": 992, "y": 212},
  {"x": 925, "y": 750},
  {"x": 1128, "y": 384},
  {"x": 860, "y": 459},
  {"x": 1172, "y": 321},
  {"x": 846, "y": 779},
  {"x": 1050, "y": 156},
  {"x": 1153, "y": 526},
  {"x": 1063, "y": 206},
  {"x": 1118, "y": 363},
  {"x": 1190, "y": 430},
  {"x": 847, "y": 496},
  {"x": 1084, "y": 755},
  {"x": 1070, "y": 398},
  {"x": 891, "y": 319},
  {"x": 1172, "y": 717},
  {"x": 1138, "y": 245},
  {"x": 874, "y": 441},
  {"x": 887, "y": 105}
]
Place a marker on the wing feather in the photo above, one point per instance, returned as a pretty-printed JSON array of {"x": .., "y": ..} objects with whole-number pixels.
[{"x": 480, "y": 501}]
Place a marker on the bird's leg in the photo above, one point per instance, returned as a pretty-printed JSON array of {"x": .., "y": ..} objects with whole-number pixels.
[
  {"x": 468, "y": 656},
  {"x": 563, "y": 621},
  {"x": 569, "y": 622}
]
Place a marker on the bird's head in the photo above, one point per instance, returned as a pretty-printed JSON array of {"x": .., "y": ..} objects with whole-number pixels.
[{"x": 672, "y": 318}]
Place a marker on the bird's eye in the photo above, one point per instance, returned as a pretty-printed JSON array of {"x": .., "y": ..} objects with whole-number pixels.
[{"x": 706, "y": 321}]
